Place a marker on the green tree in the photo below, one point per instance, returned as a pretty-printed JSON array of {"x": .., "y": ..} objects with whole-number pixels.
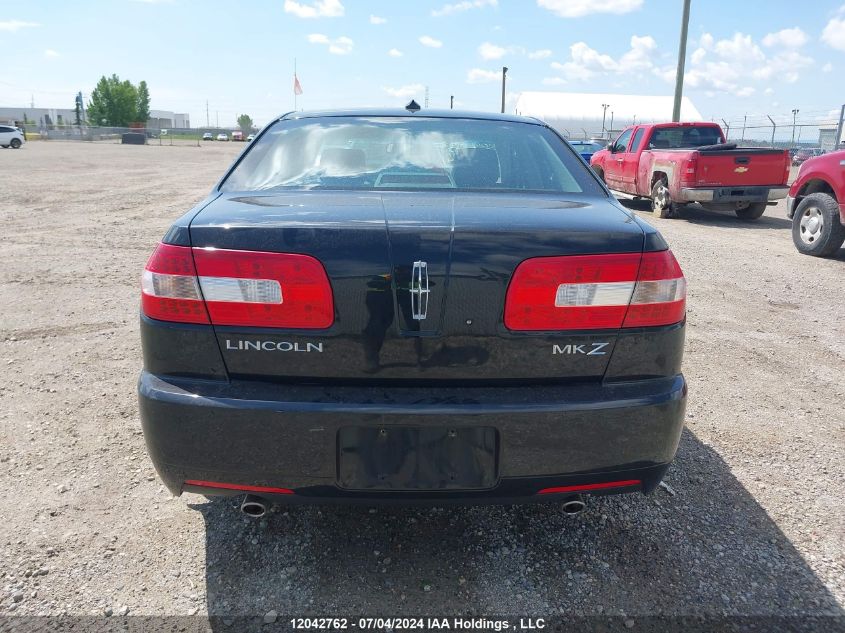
[
  {"x": 113, "y": 102},
  {"x": 245, "y": 123},
  {"x": 142, "y": 110}
]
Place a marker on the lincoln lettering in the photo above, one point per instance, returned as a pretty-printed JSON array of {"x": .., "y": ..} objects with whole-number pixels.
[{"x": 273, "y": 346}]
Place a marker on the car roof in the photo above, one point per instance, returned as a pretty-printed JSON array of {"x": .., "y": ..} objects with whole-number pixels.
[{"x": 401, "y": 112}]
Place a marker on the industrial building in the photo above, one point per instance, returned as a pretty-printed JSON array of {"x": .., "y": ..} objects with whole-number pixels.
[{"x": 48, "y": 117}]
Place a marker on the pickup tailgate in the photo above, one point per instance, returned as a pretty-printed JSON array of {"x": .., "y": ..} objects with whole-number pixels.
[
  {"x": 742, "y": 167},
  {"x": 369, "y": 244}
]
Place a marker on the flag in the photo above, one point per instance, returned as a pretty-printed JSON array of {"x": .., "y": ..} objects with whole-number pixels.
[{"x": 297, "y": 87}]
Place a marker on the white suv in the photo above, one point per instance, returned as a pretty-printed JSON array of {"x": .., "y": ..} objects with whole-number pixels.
[{"x": 10, "y": 137}]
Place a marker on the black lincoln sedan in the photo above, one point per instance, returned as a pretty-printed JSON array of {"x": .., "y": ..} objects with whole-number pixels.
[{"x": 411, "y": 306}]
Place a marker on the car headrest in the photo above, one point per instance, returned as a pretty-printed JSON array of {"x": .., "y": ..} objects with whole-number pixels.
[
  {"x": 479, "y": 167},
  {"x": 343, "y": 160}
]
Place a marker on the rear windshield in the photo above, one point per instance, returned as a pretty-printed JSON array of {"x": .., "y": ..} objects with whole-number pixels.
[
  {"x": 684, "y": 137},
  {"x": 373, "y": 153}
]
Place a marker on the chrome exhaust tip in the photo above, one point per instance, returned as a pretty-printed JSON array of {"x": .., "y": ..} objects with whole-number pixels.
[
  {"x": 254, "y": 506},
  {"x": 574, "y": 506}
]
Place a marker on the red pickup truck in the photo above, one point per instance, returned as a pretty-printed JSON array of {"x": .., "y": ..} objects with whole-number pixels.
[
  {"x": 678, "y": 163},
  {"x": 816, "y": 204}
]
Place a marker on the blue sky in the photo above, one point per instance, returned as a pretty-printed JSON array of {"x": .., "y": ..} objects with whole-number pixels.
[{"x": 757, "y": 56}]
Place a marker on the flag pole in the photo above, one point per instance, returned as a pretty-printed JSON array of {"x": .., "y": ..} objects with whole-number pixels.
[{"x": 294, "y": 84}]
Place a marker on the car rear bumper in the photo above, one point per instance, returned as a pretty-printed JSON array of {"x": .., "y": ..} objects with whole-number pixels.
[
  {"x": 236, "y": 435},
  {"x": 726, "y": 195}
]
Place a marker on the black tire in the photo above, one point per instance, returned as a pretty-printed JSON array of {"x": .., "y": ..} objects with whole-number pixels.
[
  {"x": 752, "y": 212},
  {"x": 15, "y": 143},
  {"x": 661, "y": 202},
  {"x": 816, "y": 226}
]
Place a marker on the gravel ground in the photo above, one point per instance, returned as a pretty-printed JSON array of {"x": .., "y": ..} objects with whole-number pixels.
[{"x": 753, "y": 520}]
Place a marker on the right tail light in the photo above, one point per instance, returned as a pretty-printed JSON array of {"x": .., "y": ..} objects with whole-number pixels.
[{"x": 594, "y": 292}]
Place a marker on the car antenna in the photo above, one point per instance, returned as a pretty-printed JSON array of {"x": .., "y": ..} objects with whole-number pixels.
[{"x": 413, "y": 106}]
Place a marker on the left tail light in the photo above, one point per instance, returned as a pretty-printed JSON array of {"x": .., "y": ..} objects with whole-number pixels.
[
  {"x": 240, "y": 288},
  {"x": 595, "y": 292}
]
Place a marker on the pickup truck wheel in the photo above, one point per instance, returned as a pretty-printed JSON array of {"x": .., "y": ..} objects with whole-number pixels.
[
  {"x": 816, "y": 227},
  {"x": 661, "y": 201},
  {"x": 750, "y": 211},
  {"x": 16, "y": 143}
]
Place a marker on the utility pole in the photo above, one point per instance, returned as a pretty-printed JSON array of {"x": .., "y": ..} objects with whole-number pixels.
[
  {"x": 426, "y": 96},
  {"x": 727, "y": 129},
  {"x": 682, "y": 56},
  {"x": 504, "y": 76},
  {"x": 794, "y": 114},
  {"x": 744, "y": 119},
  {"x": 610, "y": 131},
  {"x": 604, "y": 106},
  {"x": 207, "y": 119},
  {"x": 217, "y": 118},
  {"x": 452, "y": 102}
]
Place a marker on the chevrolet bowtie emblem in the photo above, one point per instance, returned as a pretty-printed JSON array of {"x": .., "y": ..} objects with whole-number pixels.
[
  {"x": 741, "y": 170},
  {"x": 419, "y": 291}
]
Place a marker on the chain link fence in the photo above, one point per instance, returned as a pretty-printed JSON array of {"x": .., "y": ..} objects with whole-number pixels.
[{"x": 117, "y": 135}]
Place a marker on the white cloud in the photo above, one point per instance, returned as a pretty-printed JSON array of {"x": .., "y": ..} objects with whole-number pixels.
[
  {"x": 404, "y": 92},
  {"x": 318, "y": 9},
  {"x": 579, "y": 8},
  {"x": 769, "y": 91},
  {"x": 51, "y": 54},
  {"x": 554, "y": 81},
  {"x": 714, "y": 66},
  {"x": 375, "y": 19},
  {"x": 787, "y": 38},
  {"x": 834, "y": 34},
  {"x": 828, "y": 67},
  {"x": 429, "y": 41},
  {"x": 459, "y": 7},
  {"x": 586, "y": 62},
  {"x": 491, "y": 51},
  {"x": 16, "y": 25},
  {"x": 481, "y": 76},
  {"x": 395, "y": 52},
  {"x": 338, "y": 46}
]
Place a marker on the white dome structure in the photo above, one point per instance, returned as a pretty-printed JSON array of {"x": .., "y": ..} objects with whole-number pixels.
[{"x": 579, "y": 115}]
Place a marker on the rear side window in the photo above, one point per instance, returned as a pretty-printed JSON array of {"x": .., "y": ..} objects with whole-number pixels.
[
  {"x": 4, "y": 129},
  {"x": 410, "y": 153},
  {"x": 684, "y": 137},
  {"x": 638, "y": 138}
]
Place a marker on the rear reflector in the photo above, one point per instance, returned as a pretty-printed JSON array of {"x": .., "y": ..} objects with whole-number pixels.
[
  {"x": 590, "y": 292},
  {"x": 587, "y": 487},
  {"x": 224, "y": 486},
  {"x": 240, "y": 288}
]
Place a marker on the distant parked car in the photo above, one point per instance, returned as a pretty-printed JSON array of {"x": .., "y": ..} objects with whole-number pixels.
[
  {"x": 249, "y": 138},
  {"x": 208, "y": 136},
  {"x": 237, "y": 136},
  {"x": 10, "y": 137},
  {"x": 222, "y": 137},
  {"x": 816, "y": 204},
  {"x": 586, "y": 148},
  {"x": 800, "y": 156}
]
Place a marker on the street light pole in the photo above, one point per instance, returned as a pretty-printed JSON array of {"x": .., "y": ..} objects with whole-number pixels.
[
  {"x": 682, "y": 56},
  {"x": 452, "y": 102},
  {"x": 504, "y": 76},
  {"x": 794, "y": 113},
  {"x": 604, "y": 106}
]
